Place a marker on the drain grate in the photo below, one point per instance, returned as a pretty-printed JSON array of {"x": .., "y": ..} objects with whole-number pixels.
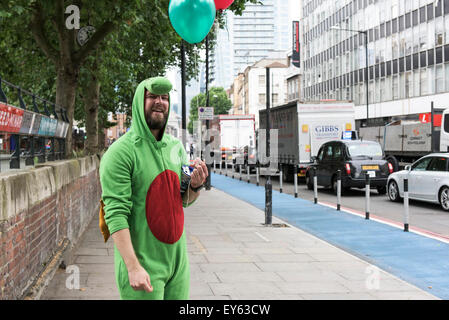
[{"x": 276, "y": 225}]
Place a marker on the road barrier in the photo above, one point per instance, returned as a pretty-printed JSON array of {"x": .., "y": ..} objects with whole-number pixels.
[
  {"x": 280, "y": 179},
  {"x": 338, "y": 189},
  {"x": 257, "y": 175},
  {"x": 367, "y": 195},
  {"x": 406, "y": 207},
  {"x": 295, "y": 180},
  {"x": 315, "y": 187}
]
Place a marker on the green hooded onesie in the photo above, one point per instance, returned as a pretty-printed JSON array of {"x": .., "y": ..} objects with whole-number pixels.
[{"x": 140, "y": 179}]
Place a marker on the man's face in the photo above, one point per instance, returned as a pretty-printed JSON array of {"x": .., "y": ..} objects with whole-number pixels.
[{"x": 156, "y": 110}]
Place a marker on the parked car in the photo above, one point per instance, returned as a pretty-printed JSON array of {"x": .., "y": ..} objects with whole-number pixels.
[
  {"x": 428, "y": 180},
  {"x": 355, "y": 159}
]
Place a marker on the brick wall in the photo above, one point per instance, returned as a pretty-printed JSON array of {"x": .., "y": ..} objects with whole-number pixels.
[{"x": 40, "y": 208}]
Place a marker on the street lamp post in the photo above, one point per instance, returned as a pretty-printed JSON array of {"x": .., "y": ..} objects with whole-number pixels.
[
  {"x": 183, "y": 93},
  {"x": 208, "y": 182},
  {"x": 365, "y": 33},
  {"x": 268, "y": 185}
]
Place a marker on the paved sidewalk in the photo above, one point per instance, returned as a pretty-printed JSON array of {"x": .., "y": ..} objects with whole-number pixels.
[{"x": 234, "y": 256}]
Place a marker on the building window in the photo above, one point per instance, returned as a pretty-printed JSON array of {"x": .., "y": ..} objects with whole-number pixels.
[
  {"x": 416, "y": 83},
  {"x": 439, "y": 55},
  {"x": 382, "y": 90},
  {"x": 439, "y": 79},
  {"x": 261, "y": 81},
  {"x": 362, "y": 94},
  {"x": 423, "y": 82},
  {"x": 408, "y": 85},
  {"x": 262, "y": 98},
  {"x": 402, "y": 86},
  {"x": 395, "y": 87},
  {"x": 371, "y": 92},
  {"x": 446, "y": 71},
  {"x": 388, "y": 89}
]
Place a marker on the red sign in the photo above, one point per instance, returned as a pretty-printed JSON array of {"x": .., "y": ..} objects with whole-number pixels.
[
  {"x": 296, "y": 54},
  {"x": 10, "y": 118},
  {"x": 426, "y": 118}
]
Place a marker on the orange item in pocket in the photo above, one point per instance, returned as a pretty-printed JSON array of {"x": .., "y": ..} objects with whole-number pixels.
[{"x": 103, "y": 226}]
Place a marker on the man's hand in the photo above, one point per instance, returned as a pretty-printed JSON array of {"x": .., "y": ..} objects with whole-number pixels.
[
  {"x": 139, "y": 279},
  {"x": 199, "y": 174}
]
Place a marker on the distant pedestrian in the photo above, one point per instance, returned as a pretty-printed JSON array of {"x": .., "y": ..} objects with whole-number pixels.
[
  {"x": 143, "y": 204},
  {"x": 191, "y": 151}
]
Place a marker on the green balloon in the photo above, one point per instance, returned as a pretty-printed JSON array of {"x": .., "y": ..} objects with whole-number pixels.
[{"x": 192, "y": 19}]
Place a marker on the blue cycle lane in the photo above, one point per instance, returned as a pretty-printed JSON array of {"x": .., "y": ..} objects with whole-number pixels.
[{"x": 417, "y": 259}]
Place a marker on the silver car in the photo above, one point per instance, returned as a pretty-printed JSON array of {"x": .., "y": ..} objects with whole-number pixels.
[{"x": 428, "y": 180}]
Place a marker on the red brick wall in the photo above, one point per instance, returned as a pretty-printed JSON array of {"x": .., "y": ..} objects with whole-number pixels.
[{"x": 28, "y": 239}]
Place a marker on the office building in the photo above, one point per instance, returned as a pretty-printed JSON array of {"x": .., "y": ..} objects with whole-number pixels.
[
  {"x": 249, "y": 88},
  {"x": 251, "y": 37},
  {"x": 408, "y": 55}
]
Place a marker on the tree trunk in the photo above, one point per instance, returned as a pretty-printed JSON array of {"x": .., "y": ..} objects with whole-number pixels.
[
  {"x": 91, "y": 104},
  {"x": 66, "y": 84},
  {"x": 101, "y": 138}
]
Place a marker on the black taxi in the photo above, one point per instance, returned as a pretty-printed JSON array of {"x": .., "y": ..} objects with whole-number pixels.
[{"x": 355, "y": 159}]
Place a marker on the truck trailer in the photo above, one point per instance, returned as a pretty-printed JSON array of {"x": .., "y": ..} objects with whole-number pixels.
[
  {"x": 303, "y": 127},
  {"x": 235, "y": 133},
  {"x": 408, "y": 140}
]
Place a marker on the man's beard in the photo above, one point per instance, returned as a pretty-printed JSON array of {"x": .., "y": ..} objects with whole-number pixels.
[{"x": 156, "y": 124}]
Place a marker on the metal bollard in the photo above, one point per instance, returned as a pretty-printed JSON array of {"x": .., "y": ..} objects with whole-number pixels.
[
  {"x": 280, "y": 179},
  {"x": 240, "y": 168},
  {"x": 367, "y": 194},
  {"x": 257, "y": 176},
  {"x": 406, "y": 207},
  {"x": 295, "y": 180},
  {"x": 232, "y": 167},
  {"x": 248, "y": 168},
  {"x": 268, "y": 201},
  {"x": 214, "y": 166},
  {"x": 220, "y": 167},
  {"x": 315, "y": 187},
  {"x": 226, "y": 168},
  {"x": 338, "y": 190}
]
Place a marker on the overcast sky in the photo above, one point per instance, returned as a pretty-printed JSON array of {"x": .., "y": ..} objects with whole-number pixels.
[{"x": 294, "y": 9}]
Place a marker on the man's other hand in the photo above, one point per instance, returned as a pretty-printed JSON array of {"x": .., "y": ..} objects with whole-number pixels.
[
  {"x": 139, "y": 279},
  {"x": 199, "y": 174}
]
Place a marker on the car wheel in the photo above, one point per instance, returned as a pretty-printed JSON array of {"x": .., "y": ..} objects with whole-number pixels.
[
  {"x": 393, "y": 191},
  {"x": 444, "y": 198},
  {"x": 394, "y": 162},
  {"x": 309, "y": 181},
  {"x": 382, "y": 190}
]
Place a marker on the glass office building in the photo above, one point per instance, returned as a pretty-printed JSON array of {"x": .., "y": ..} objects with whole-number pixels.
[
  {"x": 251, "y": 37},
  {"x": 408, "y": 54}
]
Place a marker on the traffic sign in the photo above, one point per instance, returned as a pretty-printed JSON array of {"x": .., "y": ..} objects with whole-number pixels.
[{"x": 206, "y": 113}]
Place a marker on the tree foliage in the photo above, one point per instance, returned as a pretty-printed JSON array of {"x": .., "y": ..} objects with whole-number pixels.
[
  {"x": 134, "y": 40},
  {"x": 217, "y": 99}
]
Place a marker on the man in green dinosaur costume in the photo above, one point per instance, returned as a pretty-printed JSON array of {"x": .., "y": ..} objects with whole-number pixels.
[{"x": 140, "y": 176}]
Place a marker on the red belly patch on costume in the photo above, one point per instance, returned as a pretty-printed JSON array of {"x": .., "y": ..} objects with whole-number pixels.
[{"x": 165, "y": 216}]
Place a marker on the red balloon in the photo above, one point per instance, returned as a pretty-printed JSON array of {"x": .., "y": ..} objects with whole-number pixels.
[{"x": 222, "y": 4}]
